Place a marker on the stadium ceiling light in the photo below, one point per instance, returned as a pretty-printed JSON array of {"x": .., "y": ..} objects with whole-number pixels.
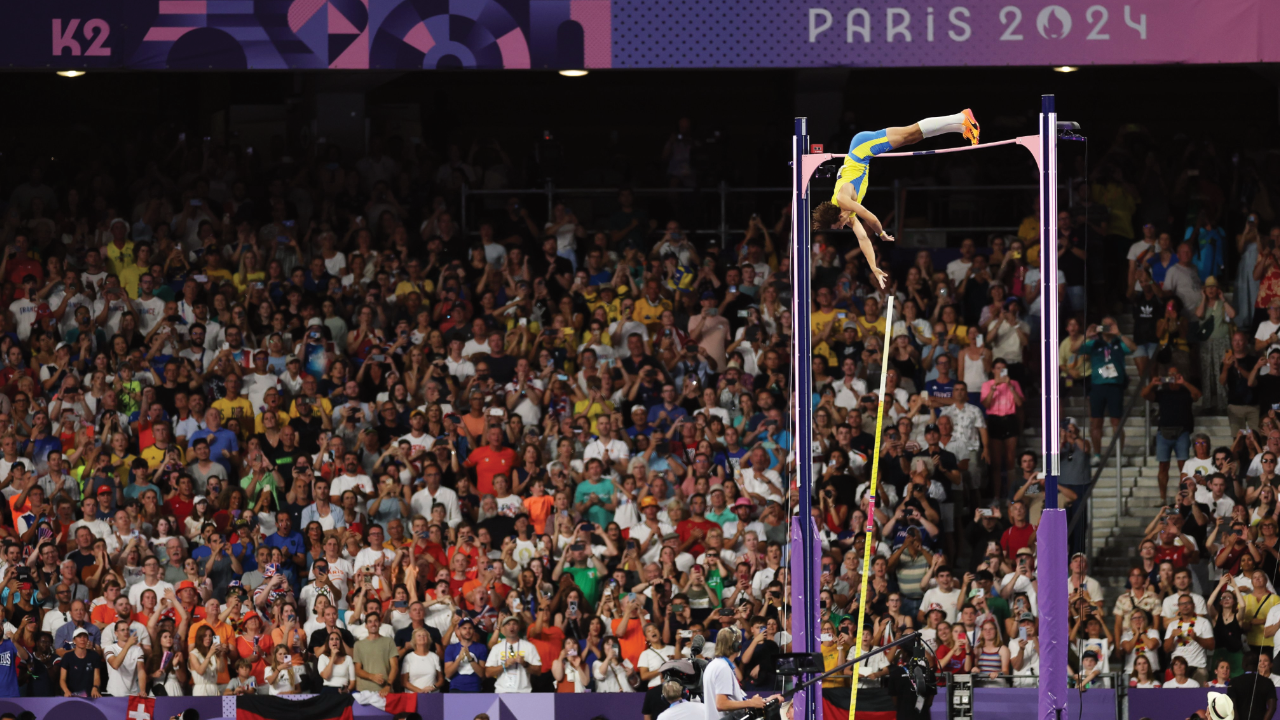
[
  {"x": 1066, "y": 68},
  {"x": 573, "y": 73},
  {"x": 70, "y": 73}
]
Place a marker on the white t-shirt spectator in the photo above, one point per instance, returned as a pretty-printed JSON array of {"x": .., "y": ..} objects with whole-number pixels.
[
  {"x": 123, "y": 681},
  {"x": 1273, "y": 617},
  {"x": 422, "y": 501},
  {"x": 1188, "y": 683},
  {"x": 529, "y": 411},
  {"x": 343, "y": 673},
  {"x": 618, "y": 450},
  {"x": 461, "y": 369},
  {"x": 612, "y": 678},
  {"x": 24, "y": 311},
  {"x": 1266, "y": 330},
  {"x": 1030, "y": 659},
  {"x": 1169, "y": 608},
  {"x": 160, "y": 588},
  {"x": 360, "y": 632},
  {"x": 473, "y": 347},
  {"x": 345, "y": 482},
  {"x": 1152, "y": 656},
  {"x": 957, "y": 270},
  {"x": 947, "y": 600},
  {"x": 652, "y": 659},
  {"x": 423, "y": 670},
  {"x": 417, "y": 444},
  {"x": 640, "y": 533},
  {"x": 516, "y": 679},
  {"x": 1185, "y": 646},
  {"x": 766, "y": 484},
  {"x": 149, "y": 312}
]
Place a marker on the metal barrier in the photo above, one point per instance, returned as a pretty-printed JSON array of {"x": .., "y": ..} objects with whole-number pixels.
[
  {"x": 958, "y": 691},
  {"x": 723, "y": 192},
  {"x": 1117, "y": 449}
]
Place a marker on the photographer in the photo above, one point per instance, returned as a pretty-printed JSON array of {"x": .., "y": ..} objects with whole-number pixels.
[{"x": 1175, "y": 396}]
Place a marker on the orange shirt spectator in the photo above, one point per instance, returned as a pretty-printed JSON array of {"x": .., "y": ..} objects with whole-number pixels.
[
  {"x": 631, "y": 640},
  {"x": 540, "y": 509}
]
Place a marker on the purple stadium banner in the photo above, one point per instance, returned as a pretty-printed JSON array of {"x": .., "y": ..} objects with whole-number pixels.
[
  {"x": 108, "y": 708},
  {"x": 559, "y": 34}
]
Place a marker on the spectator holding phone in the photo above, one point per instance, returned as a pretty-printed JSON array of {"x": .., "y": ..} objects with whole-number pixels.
[{"x": 1175, "y": 395}]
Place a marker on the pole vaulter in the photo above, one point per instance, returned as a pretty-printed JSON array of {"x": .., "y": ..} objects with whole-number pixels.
[{"x": 846, "y": 209}]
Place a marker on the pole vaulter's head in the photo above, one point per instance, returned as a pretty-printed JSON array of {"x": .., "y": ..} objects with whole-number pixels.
[{"x": 825, "y": 215}]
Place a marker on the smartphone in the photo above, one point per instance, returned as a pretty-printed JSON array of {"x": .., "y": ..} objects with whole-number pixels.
[
  {"x": 685, "y": 633},
  {"x": 195, "y": 202},
  {"x": 1022, "y": 633},
  {"x": 495, "y": 412},
  {"x": 1004, "y": 372},
  {"x": 984, "y": 512},
  {"x": 743, "y": 313},
  {"x": 1169, "y": 379},
  {"x": 282, "y": 239},
  {"x": 733, "y": 288},
  {"x": 399, "y": 604},
  {"x": 523, "y": 322},
  {"x": 378, "y": 358},
  {"x": 290, "y": 223},
  {"x": 566, "y": 379},
  {"x": 1100, "y": 329},
  {"x": 825, "y": 637},
  {"x": 201, "y": 278},
  {"x": 217, "y": 640}
]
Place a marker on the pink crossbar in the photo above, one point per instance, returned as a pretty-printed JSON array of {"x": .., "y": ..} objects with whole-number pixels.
[{"x": 1030, "y": 142}]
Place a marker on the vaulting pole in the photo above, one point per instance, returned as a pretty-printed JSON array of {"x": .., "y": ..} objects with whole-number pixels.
[{"x": 871, "y": 508}]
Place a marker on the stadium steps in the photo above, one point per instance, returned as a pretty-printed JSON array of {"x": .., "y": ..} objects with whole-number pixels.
[{"x": 1115, "y": 547}]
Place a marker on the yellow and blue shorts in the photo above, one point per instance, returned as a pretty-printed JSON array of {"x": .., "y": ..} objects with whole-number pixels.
[{"x": 857, "y": 164}]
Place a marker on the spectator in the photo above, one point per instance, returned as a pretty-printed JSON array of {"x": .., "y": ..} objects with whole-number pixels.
[
  {"x": 1107, "y": 349},
  {"x": 1175, "y": 396},
  {"x": 1187, "y": 638},
  {"x": 514, "y": 660}
]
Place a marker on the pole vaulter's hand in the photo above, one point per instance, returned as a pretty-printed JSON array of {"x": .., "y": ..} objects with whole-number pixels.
[{"x": 882, "y": 277}]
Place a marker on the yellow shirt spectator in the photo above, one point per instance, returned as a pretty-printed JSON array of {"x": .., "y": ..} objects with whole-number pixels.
[
  {"x": 154, "y": 456},
  {"x": 238, "y": 408},
  {"x": 821, "y": 318},
  {"x": 129, "y": 278},
  {"x": 281, "y": 414},
  {"x": 650, "y": 313},
  {"x": 874, "y": 327},
  {"x": 592, "y": 410},
  {"x": 118, "y": 258},
  {"x": 423, "y": 287},
  {"x": 318, "y": 406}
]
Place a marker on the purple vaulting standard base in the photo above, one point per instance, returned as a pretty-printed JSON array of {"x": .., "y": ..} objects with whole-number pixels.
[
  {"x": 804, "y": 627},
  {"x": 1051, "y": 572}
]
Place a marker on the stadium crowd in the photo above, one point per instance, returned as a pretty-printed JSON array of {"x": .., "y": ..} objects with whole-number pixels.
[{"x": 299, "y": 431}]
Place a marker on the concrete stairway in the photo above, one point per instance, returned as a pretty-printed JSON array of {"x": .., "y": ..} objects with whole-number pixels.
[{"x": 1137, "y": 499}]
